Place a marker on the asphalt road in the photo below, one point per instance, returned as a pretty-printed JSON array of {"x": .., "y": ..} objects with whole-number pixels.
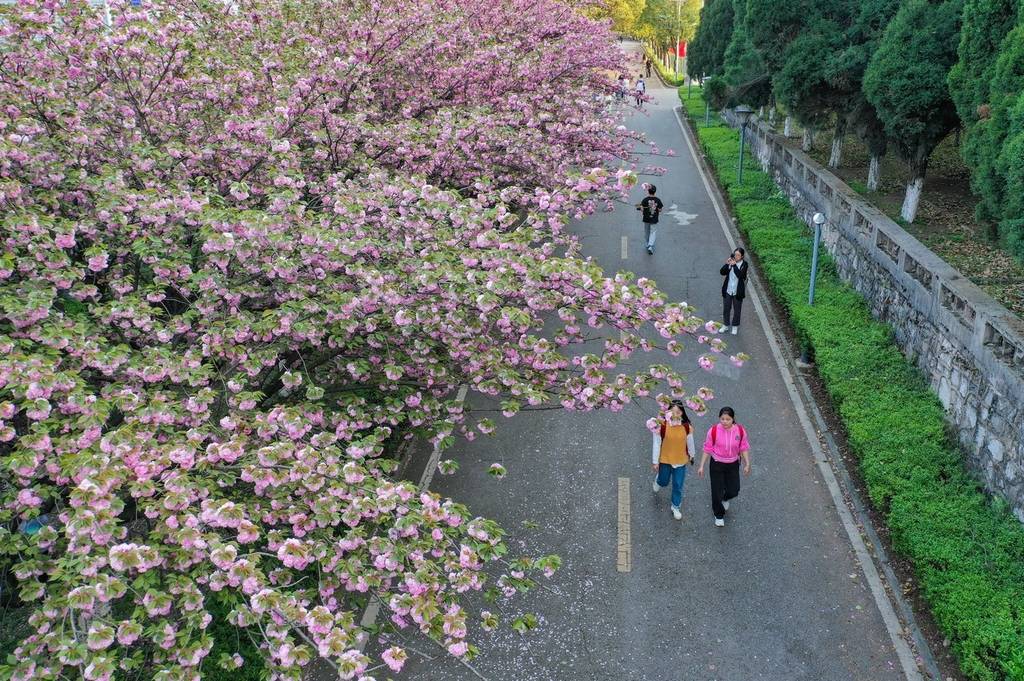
[{"x": 775, "y": 594}]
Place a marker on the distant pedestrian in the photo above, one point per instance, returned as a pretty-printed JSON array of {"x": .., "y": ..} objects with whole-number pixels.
[
  {"x": 734, "y": 289},
  {"x": 672, "y": 451},
  {"x": 640, "y": 91},
  {"x": 647, "y": 66},
  {"x": 623, "y": 86},
  {"x": 651, "y": 207},
  {"x": 726, "y": 443}
]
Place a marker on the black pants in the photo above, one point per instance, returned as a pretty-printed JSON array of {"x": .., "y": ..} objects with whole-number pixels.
[
  {"x": 734, "y": 304},
  {"x": 725, "y": 484}
]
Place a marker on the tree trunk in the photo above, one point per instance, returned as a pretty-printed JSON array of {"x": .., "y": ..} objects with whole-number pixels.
[
  {"x": 835, "y": 159},
  {"x": 808, "y": 141},
  {"x": 787, "y": 127},
  {"x": 771, "y": 115},
  {"x": 874, "y": 168},
  {"x": 913, "y": 196}
]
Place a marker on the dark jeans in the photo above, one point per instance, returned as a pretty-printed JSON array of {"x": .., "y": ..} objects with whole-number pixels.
[
  {"x": 725, "y": 484},
  {"x": 734, "y": 304}
]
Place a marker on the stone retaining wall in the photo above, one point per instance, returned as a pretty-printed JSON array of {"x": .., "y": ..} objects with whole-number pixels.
[{"x": 970, "y": 347}]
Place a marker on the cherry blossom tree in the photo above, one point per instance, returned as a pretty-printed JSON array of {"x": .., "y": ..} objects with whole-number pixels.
[{"x": 247, "y": 250}]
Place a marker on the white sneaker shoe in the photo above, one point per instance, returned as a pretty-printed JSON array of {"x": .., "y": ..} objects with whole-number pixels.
[
  {"x": 657, "y": 487},
  {"x": 725, "y": 505},
  {"x": 719, "y": 522},
  {"x": 725, "y": 329},
  {"x": 735, "y": 330},
  {"x": 676, "y": 513}
]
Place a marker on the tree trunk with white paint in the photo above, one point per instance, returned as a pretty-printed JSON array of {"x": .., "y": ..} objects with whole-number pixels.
[
  {"x": 808, "y": 141},
  {"x": 874, "y": 171},
  {"x": 771, "y": 115},
  {"x": 787, "y": 127},
  {"x": 835, "y": 159},
  {"x": 913, "y": 196}
]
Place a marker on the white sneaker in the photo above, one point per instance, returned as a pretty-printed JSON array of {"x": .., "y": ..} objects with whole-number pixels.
[
  {"x": 657, "y": 487},
  {"x": 719, "y": 522},
  {"x": 735, "y": 330},
  {"x": 725, "y": 329},
  {"x": 725, "y": 505},
  {"x": 676, "y": 513}
]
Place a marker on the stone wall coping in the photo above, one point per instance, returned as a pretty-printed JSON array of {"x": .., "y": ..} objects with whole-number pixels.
[{"x": 992, "y": 334}]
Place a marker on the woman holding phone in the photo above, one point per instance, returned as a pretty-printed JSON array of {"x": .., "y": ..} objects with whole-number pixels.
[{"x": 734, "y": 289}]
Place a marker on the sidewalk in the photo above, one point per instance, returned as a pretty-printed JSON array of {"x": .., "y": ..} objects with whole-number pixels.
[{"x": 777, "y": 593}]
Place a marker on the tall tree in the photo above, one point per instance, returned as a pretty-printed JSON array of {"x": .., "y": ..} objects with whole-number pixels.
[
  {"x": 906, "y": 81},
  {"x": 663, "y": 22},
  {"x": 1005, "y": 138},
  {"x": 982, "y": 104},
  {"x": 745, "y": 71},
  {"x": 801, "y": 85},
  {"x": 624, "y": 14},
  {"x": 796, "y": 40},
  {"x": 846, "y": 72},
  {"x": 707, "y": 52}
]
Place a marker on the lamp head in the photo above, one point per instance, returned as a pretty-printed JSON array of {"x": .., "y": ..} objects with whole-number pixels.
[
  {"x": 743, "y": 111},
  {"x": 818, "y": 219}
]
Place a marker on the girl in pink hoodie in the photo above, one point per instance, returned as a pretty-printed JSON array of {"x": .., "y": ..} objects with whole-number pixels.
[{"x": 726, "y": 444}]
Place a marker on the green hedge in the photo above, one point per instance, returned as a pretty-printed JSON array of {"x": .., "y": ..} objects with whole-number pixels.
[{"x": 967, "y": 550}]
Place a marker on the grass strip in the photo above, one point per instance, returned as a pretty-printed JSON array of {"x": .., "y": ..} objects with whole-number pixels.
[{"x": 967, "y": 549}]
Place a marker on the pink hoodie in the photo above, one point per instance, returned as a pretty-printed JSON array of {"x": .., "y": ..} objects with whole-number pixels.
[{"x": 727, "y": 444}]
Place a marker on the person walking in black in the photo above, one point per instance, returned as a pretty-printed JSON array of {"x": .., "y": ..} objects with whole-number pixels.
[
  {"x": 651, "y": 207},
  {"x": 647, "y": 66},
  {"x": 734, "y": 289}
]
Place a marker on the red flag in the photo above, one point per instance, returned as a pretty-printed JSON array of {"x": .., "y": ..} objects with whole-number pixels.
[{"x": 682, "y": 49}]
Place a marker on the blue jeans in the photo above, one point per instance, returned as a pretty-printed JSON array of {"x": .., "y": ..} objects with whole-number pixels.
[
  {"x": 678, "y": 475},
  {"x": 650, "y": 234}
]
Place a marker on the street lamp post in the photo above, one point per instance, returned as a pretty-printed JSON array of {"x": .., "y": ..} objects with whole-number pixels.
[
  {"x": 818, "y": 220},
  {"x": 707, "y": 105},
  {"x": 744, "y": 113}
]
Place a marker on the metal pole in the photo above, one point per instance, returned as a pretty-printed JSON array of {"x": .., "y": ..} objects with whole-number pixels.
[
  {"x": 707, "y": 112},
  {"x": 743, "y": 134},
  {"x": 678, "y": 5},
  {"x": 814, "y": 263}
]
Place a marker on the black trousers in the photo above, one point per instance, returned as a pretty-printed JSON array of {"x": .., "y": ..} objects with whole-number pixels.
[
  {"x": 733, "y": 304},
  {"x": 725, "y": 484}
]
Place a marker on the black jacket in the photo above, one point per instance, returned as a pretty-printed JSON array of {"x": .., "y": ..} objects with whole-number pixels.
[{"x": 741, "y": 274}]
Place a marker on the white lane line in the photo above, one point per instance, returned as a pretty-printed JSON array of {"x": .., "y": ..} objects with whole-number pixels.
[
  {"x": 892, "y": 623},
  {"x": 624, "y": 242},
  {"x": 435, "y": 455},
  {"x": 373, "y": 608},
  {"x": 624, "y": 545}
]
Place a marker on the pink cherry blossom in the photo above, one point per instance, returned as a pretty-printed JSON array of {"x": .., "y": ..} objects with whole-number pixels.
[{"x": 246, "y": 258}]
